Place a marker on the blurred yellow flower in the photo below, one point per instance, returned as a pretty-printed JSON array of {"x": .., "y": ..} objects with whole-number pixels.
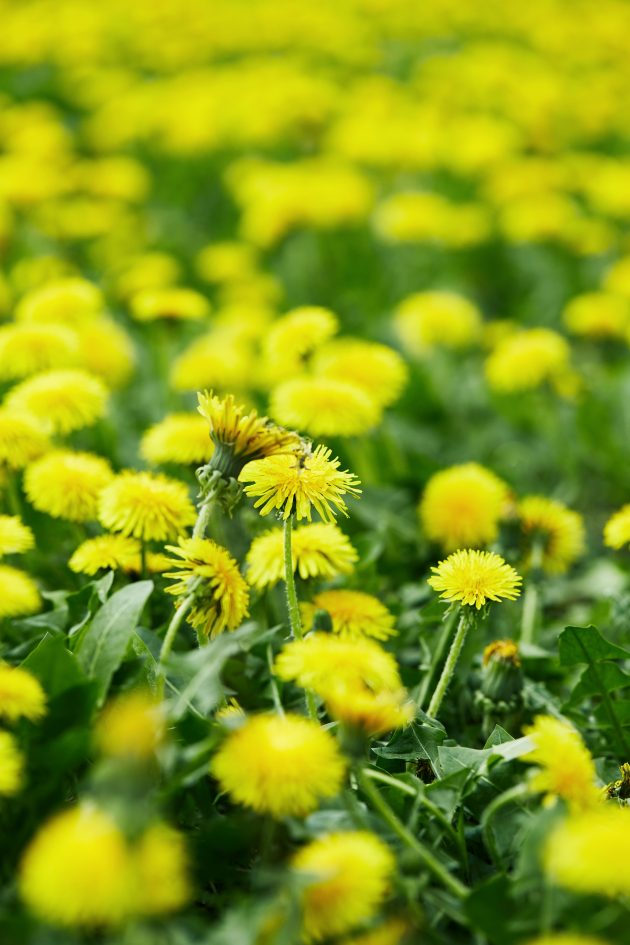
[
  {"x": 565, "y": 765},
  {"x": 427, "y": 320},
  {"x": 617, "y": 528},
  {"x": 111, "y": 552},
  {"x": 70, "y": 301},
  {"x": 557, "y": 527},
  {"x": 588, "y": 852},
  {"x": 462, "y": 506},
  {"x": 131, "y": 725},
  {"x": 324, "y": 406},
  {"x": 180, "y": 438},
  {"x": 292, "y": 339},
  {"x": 318, "y": 550},
  {"x": 60, "y": 401},
  {"x": 598, "y": 315},
  {"x": 15, "y": 536},
  {"x": 67, "y": 485},
  {"x": 169, "y": 302},
  {"x": 146, "y": 506},
  {"x": 160, "y": 869},
  {"x": 21, "y": 695},
  {"x": 19, "y": 596},
  {"x": 375, "y": 368},
  {"x": 321, "y": 661},
  {"x": 353, "y": 613},
  {"x": 373, "y": 712},
  {"x": 11, "y": 765},
  {"x": 474, "y": 578},
  {"x": 526, "y": 360},
  {"x": 226, "y": 261},
  {"x": 106, "y": 351},
  {"x": 29, "y": 349},
  {"x": 22, "y": 439}
]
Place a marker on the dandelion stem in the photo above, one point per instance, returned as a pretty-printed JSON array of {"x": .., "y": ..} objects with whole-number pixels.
[
  {"x": 438, "y": 654},
  {"x": 171, "y": 632},
  {"x": 450, "y": 664},
  {"x": 13, "y": 495},
  {"x": 292, "y": 602},
  {"x": 410, "y": 791},
  {"x": 530, "y": 596},
  {"x": 275, "y": 692},
  {"x": 431, "y": 862},
  {"x": 143, "y": 559},
  {"x": 203, "y": 518}
]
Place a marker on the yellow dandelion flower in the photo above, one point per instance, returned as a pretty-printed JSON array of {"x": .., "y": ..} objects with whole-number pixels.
[
  {"x": 19, "y": 596},
  {"x": 15, "y": 536},
  {"x": 375, "y": 712},
  {"x": 566, "y": 938},
  {"x": 11, "y": 765},
  {"x": 65, "y": 302},
  {"x": 131, "y": 726},
  {"x": 475, "y": 577},
  {"x": 598, "y": 315},
  {"x": 221, "y": 358},
  {"x": 617, "y": 278},
  {"x": 461, "y": 506},
  {"x": 318, "y": 550},
  {"x": 502, "y": 651},
  {"x": 560, "y": 529},
  {"x": 352, "y": 873},
  {"x": 60, "y": 401},
  {"x": 377, "y": 369},
  {"x": 111, "y": 552},
  {"x": 180, "y": 438},
  {"x": 226, "y": 261},
  {"x": 30, "y": 349},
  {"x": 617, "y": 529},
  {"x": 147, "y": 271},
  {"x": 221, "y": 594},
  {"x": 160, "y": 866},
  {"x": 279, "y": 765},
  {"x": 565, "y": 765},
  {"x": 294, "y": 337},
  {"x": 427, "y": 320},
  {"x": 322, "y": 661},
  {"x": 77, "y": 870},
  {"x": 240, "y": 436},
  {"x": 21, "y": 695},
  {"x": 169, "y": 302},
  {"x": 297, "y": 483},
  {"x": 21, "y": 439},
  {"x": 67, "y": 485},
  {"x": 390, "y": 932},
  {"x": 146, "y": 506},
  {"x": 324, "y": 406},
  {"x": 588, "y": 852},
  {"x": 526, "y": 360},
  {"x": 353, "y": 614},
  {"x": 106, "y": 351}
]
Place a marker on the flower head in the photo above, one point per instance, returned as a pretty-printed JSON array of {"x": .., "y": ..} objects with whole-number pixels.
[
  {"x": 106, "y": 351},
  {"x": 221, "y": 594},
  {"x": 354, "y": 613},
  {"x": 325, "y": 406},
  {"x": 475, "y": 577},
  {"x": 19, "y": 596},
  {"x": 617, "y": 528},
  {"x": 21, "y": 695},
  {"x": 374, "y": 712},
  {"x": 169, "y": 302},
  {"x": 130, "y": 726},
  {"x": 160, "y": 869},
  {"x": 560, "y": 529},
  {"x": 67, "y": 485},
  {"x": 62, "y": 302},
  {"x": 598, "y": 315},
  {"x": 318, "y": 550},
  {"x": 351, "y": 874},
  {"x": 588, "y": 852},
  {"x": 61, "y": 401},
  {"x": 430, "y": 319},
  {"x": 180, "y": 438},
  {"x": 526, "y": 360},
  {"x": 15, "y": 536},
  {"x": 294, "y": 337},
  {"x": 21, "y": 439},
  {"x": 146, "y": 506},
  {"x": 11, "y": 765},
  {"x": 111, "y": 552},
  {"x": 565, "y": 765},
  {"x": 294, "y": 483},
  {"x": 323, "y": 660},
  {"x": 461, "y": 506},
  {"x": 30, "y": 349},
  {"x": 279, "y": 765},
  {"x": 378, "y": 370}
]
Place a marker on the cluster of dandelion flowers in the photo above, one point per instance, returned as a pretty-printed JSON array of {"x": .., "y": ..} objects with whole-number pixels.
[
  {"x": 352, "y": 872},
  {"x": 11, "y": 765},
  {"x": 210, "y": 573},
  {"x": 474, "y": 578},
  {"x": 325, "y": 406},
  {"x": 295, "y": 483},
  {"x": 19, "y": 596},
  {"x": 526, "y": 360},
  {"x": 617, "y": 529},
  {"x": 375, "y": 368},
  {"x": 565, "y": 765},
  {"x": 560, "y": 531},
  {"x": 80, "y": 870},
  {"x": 132, "y": 725},
  {"x": 180, "y": 438},
  {"x": 31, "y": 349},
  {"x": 353, "y": 613},
  {"x": 588, "y": 852},
  {"x": 67, "y": 485},
  {"x": 318, "y": 550},
  {"x": 22, "y": 439},
  {"x": 461, "y": 506},
  {"x": 279, "y": 765},
  {"x": 15, "y": 536},
  {"x": 146, "y": 506},
  {"x": 61, "y": 401},
  {"x": 21, "y": 695}
]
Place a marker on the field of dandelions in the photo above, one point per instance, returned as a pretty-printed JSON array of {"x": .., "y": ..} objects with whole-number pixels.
[{"x": 314, "y": 472}]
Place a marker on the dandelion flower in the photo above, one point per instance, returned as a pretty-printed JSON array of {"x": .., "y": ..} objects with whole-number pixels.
[
  {"x": 67, "y": 485},
  {"x": 180, "y": 438},
  {"x": 221, "y": 594},
  {"x": 378, "y": 370},
  {"x": 427, "y": 320},
  {"x": 318, "y": 550},
  {"x": 565, "y": 765},
  {"x": 160, "y": 869},
  {"x": 19, "y": 596},
  {"x": 374, "y": 712},
  {"x": 354, "y": 614},
  {"x": 169, "y": 302},
  {"x": 566, "y": 938},
  {"x": 11, "y": 765},
  {"x": 146, "y": 506},
  {"x": 324, "y": 406},
  {"x": 226, "y": 261},
  {"x": 60, "y": 401},
  {"x": 598, "y": 315},
  {"x": 21, "y": 695},
  {"x": 220, "y": 358},
  {"x": 62, "y": 302},
  {"x": 106, "y": 351},
  {"x": 617, "y": 529},
  {"x": 15, "y": 536},
  {"x": 131, "y": 726},
  {"x": 526, "y": 360},
  {"x": 294, "y": 337},
  {"x": 352, "y": 873},
  {"x": 588, "y": 852},
  {"x": 111, "y": 552},
  {"x": 321, "y": 661},
  {"x": 560, "y": 529},
  {"x": 279, "y": 765},
  {"x": 30, "y": 349},
  {"x": 461, "y": 506},
  {"x": 146, "y": 271},
  {"x": 21, "y": 439},
  {"x": 295, "y": 484},
  {"x": 77, "y": 870},
  {"x": 391, "y": 932},
  {"x": 475, "y": 577}
]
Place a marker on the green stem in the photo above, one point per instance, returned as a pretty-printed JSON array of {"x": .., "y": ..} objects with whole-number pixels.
[
  {"x": 410, "y": 791},
  {"x": 275, "y": 692},
  {"x": 13, "y": 495},
  {"x": 438, "y": 654},
  {"x": 450, "y": 664},
  {"x": 530, "y": 595},
  {"x": 293, "y": 606},
  {"x": 430, "y": 861},
  {"x": 167, "y": 644},
  {"x": 143, "y": 559},
  {"x": 516, "y": 793},
  {"x": 203, "y": 518}
]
